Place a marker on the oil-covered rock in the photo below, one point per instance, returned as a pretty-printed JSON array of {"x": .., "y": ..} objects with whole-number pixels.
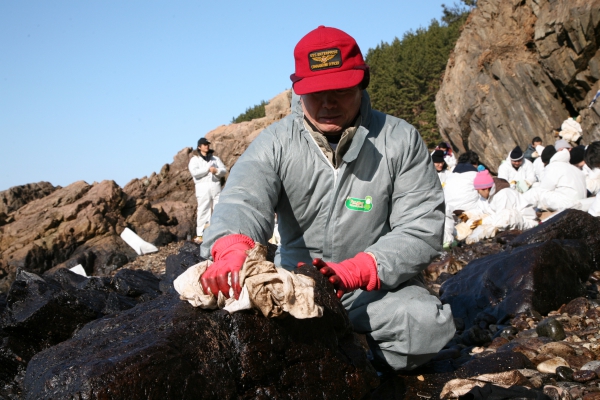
[{"x": 165, "y": 348}]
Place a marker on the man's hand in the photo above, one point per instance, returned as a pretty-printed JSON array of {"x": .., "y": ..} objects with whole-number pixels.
[
  {"x": 229, "y": 253},
  {"x": 349, "y": 275},
  {"x": 213, "y": 170}
]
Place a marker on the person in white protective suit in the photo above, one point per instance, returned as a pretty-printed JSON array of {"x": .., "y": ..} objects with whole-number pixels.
[
  {"x": 538, "y": 165},
  {"x": 503, "y": 208},
  {"x": 459, "y": 192},
  {"x": 207, "y": 171},
  {"x": 592, "y": 168},
  {"x": 517, "y": 171},
  {"x": 441, "y": 167},
  {"x": 356, "y": 196},
  {"x": 448, "y": 155},
  {"x": 563, "y": 185}
]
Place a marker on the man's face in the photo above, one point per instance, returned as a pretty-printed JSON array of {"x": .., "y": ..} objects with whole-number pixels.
[
  {"x": 438, "y": 166},
  {"x": 204, "y": 148},
  {"x": 332, "y": 111},
  {"x": 536, "y": 144},
  {"x": 516, "y": 164}
]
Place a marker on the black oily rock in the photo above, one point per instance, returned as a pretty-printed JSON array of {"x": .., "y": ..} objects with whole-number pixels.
[
  {"x": 551, "y": 328},
  {"x": 494, "y": 363},
  {"x": 538, "y": 276},
  {"x": 569, "y": 224},
  {"x": 136, "y": 283},
  {"x": 476, "y": 336},
  {"x": 165, "y": 348},
  {"x": 177, "y": 264},
  {"x": 564, "y": 373},
  {"x": 507, "y": 332}
]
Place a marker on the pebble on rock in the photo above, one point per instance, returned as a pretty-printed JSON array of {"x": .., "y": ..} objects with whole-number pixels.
[
  {"x": 551, "y": 328},
  {"x": 564, "y": 373},
  {"x": 549, "y": 366},
  {"x": 584, "y": 375},
  {"x": 559, "y": 349}
]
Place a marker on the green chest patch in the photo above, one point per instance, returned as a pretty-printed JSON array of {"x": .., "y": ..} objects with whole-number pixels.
[{"x": 364, "y": 205}]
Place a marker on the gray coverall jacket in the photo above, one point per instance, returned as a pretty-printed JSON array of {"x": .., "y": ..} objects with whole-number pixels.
[{"x": 384, "y": 198}]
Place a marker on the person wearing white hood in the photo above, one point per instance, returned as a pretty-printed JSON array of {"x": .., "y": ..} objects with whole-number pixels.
[
  {"x": 517, "y": 171},
  {"x": 591, "y": 169},
  {"x": 538, "y": 165},
  {"x": 563, "y": 185},
  {"x": 207, "y": 171}
]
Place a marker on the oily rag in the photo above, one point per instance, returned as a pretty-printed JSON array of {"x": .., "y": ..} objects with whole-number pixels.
[{"x": 274, "y": 291}]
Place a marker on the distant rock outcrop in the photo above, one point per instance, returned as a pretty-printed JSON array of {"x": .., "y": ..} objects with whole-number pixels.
[
  {"x": 230, "y": 141},
  {"x": 17, "y": 196},
  {"x": 43, "y": 227},
  {"x": 520, "y": 68}
]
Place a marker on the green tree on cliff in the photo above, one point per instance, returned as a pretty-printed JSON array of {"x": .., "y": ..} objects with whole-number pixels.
[{"x": 406, "y": 74}]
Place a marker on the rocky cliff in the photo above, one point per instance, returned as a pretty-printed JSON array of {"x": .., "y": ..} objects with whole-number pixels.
[
  {"x": 519, "y": 68},
  {"x": 43, "y": 227}
]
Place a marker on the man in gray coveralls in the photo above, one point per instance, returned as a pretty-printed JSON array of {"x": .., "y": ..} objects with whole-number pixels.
[{"x": 356, "y": 195}]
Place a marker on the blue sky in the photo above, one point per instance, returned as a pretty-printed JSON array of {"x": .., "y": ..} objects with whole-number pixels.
[{"x": 94, "y": 90}]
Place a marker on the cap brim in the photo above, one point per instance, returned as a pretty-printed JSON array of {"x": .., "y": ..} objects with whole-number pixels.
[{"x": 331, "y": 81}]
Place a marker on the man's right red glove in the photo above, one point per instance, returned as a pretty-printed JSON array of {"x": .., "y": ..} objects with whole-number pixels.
[{"x": 229, "y": 254}]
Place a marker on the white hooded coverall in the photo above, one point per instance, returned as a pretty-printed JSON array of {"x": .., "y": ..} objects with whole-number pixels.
[
  {"x": 562, "y": 186},
  {"x": 513, "y": 176},
  {"x": 208, "y": 186}
]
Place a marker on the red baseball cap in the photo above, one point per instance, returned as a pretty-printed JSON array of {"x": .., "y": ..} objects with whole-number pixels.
[{"x": 327, "y": 59}]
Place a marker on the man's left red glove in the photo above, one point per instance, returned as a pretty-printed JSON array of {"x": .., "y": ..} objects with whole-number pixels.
[
  {"x": 229, "y": 254},
  {"x": 351, "y": 274}
]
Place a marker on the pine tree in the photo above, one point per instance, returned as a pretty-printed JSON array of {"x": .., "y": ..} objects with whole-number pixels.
[{"x": 406, "y": 74}]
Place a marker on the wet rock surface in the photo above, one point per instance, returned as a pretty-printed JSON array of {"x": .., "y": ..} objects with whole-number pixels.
[{"x": 169, "y": 349}]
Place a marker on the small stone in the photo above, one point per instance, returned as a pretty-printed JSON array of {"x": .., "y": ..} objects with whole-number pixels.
[
  {"x": 551, "y": 328},
  {"x": 477, "y": 350},
  {"x": 564, "y": 373},
  {"x": 493, "y": 328},
  {"x": 528, "y": 333},
  {"x": 559, "y": 349},
  {"x": 591, "y": 396},
  {"x": 591, "y": 366},
  {"x": 507, "y": 332},
  {"x": 584, "y": 375},
  {"x": 578, "y": 306},
  {"x": 498, "y": 342},
  {"x": 549, "y": 366}
]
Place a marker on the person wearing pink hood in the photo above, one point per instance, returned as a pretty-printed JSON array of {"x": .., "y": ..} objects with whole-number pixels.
[{"x": 507, "y": 208}]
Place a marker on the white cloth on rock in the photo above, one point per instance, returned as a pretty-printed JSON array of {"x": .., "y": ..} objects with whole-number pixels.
[
  {"x": 138, "y": 244},
  {"x": 570, "y": 130},
  {"x": 274, "y": 291}
]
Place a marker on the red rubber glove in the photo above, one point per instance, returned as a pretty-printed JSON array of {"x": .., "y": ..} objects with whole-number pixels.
[
  {"x": 351, "y": 274},
  {"x": 229, "y": 254}
]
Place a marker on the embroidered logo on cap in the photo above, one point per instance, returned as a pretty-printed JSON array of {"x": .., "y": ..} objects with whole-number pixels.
[
  {"x": 325, "y": 59},
  {"x": 364, "y": 205}
]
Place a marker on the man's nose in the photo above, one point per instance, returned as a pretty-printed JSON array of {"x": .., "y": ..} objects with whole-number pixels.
[{"x": 329, "y": 100}]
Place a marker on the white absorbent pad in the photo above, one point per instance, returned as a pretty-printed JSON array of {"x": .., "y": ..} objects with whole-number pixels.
[
  {"x": 274, "y": 291},
  {"x": 137, "y": 243}
]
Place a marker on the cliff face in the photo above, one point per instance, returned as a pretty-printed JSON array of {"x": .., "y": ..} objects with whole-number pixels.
[
  {"x": 518, "y": 70},
  {"x": 44, "y": 227}
]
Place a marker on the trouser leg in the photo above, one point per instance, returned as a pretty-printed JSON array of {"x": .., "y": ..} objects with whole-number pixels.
[
  {"x": 204, "y": 212},
  {"x": 405, "y": 327}
]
